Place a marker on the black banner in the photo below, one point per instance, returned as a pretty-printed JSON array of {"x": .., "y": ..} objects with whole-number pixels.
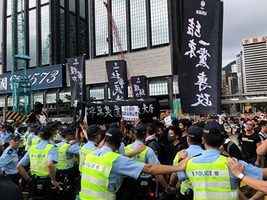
[
  {"x": 108, "y": 112},
  {"x": 139, "y": 87},
  {"x": 201, "y": 49},
  {"x": 76, "y": 69},
  {"x": 117, "y": 77}
]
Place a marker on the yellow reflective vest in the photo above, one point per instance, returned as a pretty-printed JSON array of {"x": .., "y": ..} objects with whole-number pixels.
[
  {"x": 141, "y": 157},
  {"x": 95, "y": 177},
  {"x": 64, "y": 162},
  {"x": 211, "y": 180},
  {"x": 39, "y": 160},
  {"x": 83, "y": 153}
]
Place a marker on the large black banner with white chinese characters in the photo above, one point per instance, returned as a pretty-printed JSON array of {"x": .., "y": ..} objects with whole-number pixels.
[
  {"x": 139, "y": 87},
  {"x": 76, "y": 69},
  {"x": 117, "y": 77},
  {"x": 201, "y": 50},
  {"x": 108, "y": 112}
]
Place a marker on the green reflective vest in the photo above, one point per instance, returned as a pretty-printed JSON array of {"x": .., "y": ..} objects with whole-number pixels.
[
  {"x": 83, "y": 153},
  {"x": 39, "y": 160},
  {"x": 95, "y": 177},
  {"x": 64, "y": 162},
  {"x": 141, "y": 157},
  {"x": 211, "y": 180}
]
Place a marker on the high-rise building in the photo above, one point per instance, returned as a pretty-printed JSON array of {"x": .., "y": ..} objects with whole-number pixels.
[{"x": 254, "y": 63}]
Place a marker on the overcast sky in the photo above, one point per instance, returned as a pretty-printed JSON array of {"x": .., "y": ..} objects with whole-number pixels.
[{"x": 242, "y": 19}]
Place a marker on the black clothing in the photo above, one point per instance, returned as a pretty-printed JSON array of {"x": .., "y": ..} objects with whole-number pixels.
[
  {"x": 249, "y": 145},
  {"x": 232, "y": 149}
]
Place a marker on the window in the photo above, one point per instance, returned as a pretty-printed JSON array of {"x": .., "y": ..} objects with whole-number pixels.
[
  {"x": 82, "y": 8},
  {"x": 83, "y": 27},
  {"x": 10, "y": 101},
  {"x": 119, "y": 16},
  {"x": 32, "y": 3},
  {"x": 138, "y": 24},
  {"x": 38, "y": 97},
  {"x": 97, "y": 93},
  {"x": 32, "y": 37},
  {"x": 72, "y": 29},
  {"x": 9, "y": 7},
  {"x": 44, "y": 1},
  {"x": 2, "y": 102},
  {"x": 45, "y": 34},
  {"x": 62, "y": 35},
  {"x": 72, "y": 6},
  {"x": 9, "y": 59},
  {"x": 101, "y": 28},
  {"x": 62, "y": 3},
  {"x": 21, "y": 40},
  {"x": 51, "y": 98},
  {"x": 157, "y": 88},
  {"x": 63, "y": 96},
  {"x": 159, "y": 22}
]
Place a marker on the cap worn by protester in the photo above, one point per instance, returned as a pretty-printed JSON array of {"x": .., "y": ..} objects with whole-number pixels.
[{"x": 195, "y": 131}]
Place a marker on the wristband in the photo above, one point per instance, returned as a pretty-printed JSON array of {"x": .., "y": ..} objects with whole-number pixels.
[{"x": 241, "y": 176}]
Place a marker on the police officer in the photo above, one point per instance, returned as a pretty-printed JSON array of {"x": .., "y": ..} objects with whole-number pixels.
[
  {"x": 67, "y": 150},
  {"x": 32, "y": 138},
  {"x": 104, "y": 170},
  {"x": 4, "y": 136},
  {"x": 194, "y": 140},
  {"x": 145, "y": 184},
  {"x": 209, "y": 173},
  {"x": 42, "y": 159},
  {"x": 9, "y": 159},
  {"x": 93, "y": 135}
]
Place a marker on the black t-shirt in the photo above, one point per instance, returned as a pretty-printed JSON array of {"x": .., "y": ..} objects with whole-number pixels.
[
  {"x": 249, "y": 145},
  {"x": 232, "y": 149}
]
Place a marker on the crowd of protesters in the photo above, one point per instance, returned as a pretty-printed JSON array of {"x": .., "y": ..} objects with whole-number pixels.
[{"x": 243, "y": 138}]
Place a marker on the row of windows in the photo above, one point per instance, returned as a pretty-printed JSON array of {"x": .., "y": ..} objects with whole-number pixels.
[
  {"x": 156, "y": 16},
  {"x": 32, "y": 41},
  {"x": 131, "y": 20}
]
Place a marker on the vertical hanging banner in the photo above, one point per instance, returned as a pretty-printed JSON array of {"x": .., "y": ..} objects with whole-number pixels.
[
  {"x": 76, "y": 69},
  {"x": 139, "y": 87},
  {"x": 117, "y": 78},
  {"x": 201, "y": 51}
]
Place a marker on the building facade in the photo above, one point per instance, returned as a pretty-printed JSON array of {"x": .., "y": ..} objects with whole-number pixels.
[
  {"x": 251, "y": 73},
  {"x": 255, "y": 65},
  {"x": 60, "y": 29}
]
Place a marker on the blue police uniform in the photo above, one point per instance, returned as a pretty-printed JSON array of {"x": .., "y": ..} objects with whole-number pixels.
[
  {"x": 192, "y": 151},
  {"x": 9, "y": 161},
  {"x": 211, "y": 155},
  {"x": 52, "y": 155},
  {"x": 5, "y": 137},
  {"x": 122, "y": 167}
]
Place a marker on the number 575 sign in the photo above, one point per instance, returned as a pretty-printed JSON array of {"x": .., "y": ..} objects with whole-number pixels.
[{"x": 40, "y": 78}]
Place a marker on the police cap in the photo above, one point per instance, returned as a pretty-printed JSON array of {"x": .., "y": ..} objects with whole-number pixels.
[{"x": 195, "y": 131}]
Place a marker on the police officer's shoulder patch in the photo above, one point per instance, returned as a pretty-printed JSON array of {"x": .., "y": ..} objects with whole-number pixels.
[{"x": 10, "y": 151}]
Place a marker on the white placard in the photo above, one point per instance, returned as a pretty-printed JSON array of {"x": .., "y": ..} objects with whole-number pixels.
[{"x": 130, "y": 113}]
